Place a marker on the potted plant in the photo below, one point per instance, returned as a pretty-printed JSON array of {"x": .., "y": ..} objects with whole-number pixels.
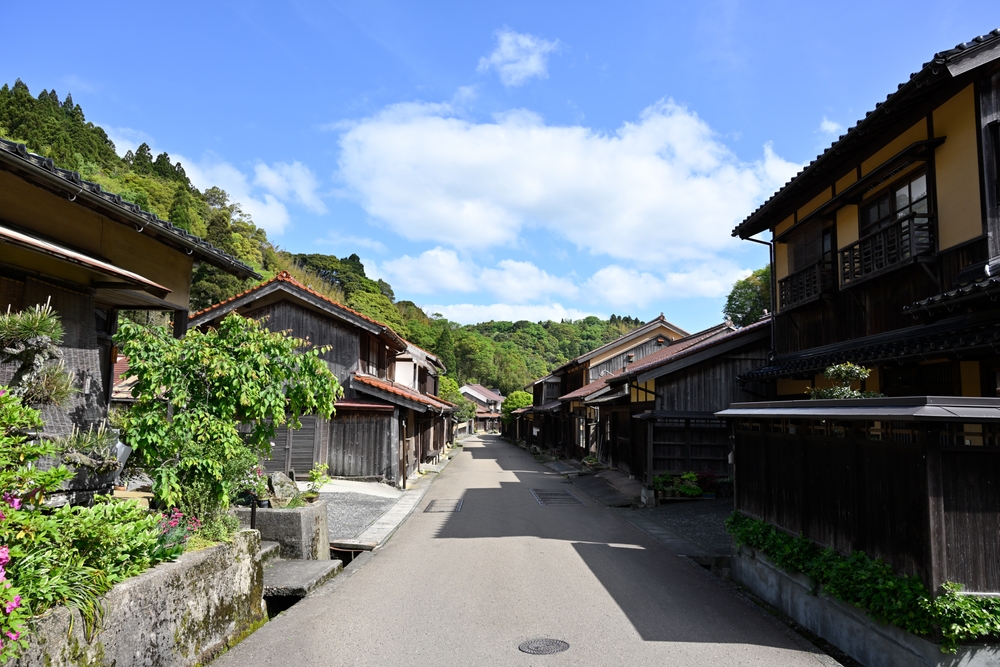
[{"x": 317, "y": 478}]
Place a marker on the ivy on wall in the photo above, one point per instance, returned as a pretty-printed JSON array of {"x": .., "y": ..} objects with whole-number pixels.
[{"x": 872, "y": 585}]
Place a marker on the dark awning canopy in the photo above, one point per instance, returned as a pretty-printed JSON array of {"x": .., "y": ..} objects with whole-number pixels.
[
  {"x": 957, "y": 335},
  {"x": 905, "y": 408}
]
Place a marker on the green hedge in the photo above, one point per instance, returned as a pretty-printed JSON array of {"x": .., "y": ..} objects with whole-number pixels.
[{"x": 872, "y": 585}]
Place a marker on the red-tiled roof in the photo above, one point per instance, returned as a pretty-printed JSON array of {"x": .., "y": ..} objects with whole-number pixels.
[
  {"x": 285, "y": 277},
  {"x": 400, "y": 390},
  {"x": 362, "y": 404}
]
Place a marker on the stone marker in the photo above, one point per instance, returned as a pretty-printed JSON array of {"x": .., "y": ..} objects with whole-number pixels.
[{"x": 283, "y": 486}]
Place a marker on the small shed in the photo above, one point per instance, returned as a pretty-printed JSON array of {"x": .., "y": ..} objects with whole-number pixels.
[{"x": 914, "y": 481}]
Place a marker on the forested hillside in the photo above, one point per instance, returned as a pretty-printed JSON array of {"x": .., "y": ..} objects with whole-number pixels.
[{"x": 502, "y": 355}]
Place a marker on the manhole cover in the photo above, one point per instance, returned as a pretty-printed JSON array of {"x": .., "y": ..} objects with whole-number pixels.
[
  {"x": 543, "y": 646},
  {"x": 556, "y": 497},
  {"x": 444, "y": 506}
]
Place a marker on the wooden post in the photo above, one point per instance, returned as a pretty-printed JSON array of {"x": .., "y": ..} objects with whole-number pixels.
[
  {"x": 648, "y": 477},
  {"x": 937, "y": 544},
  {"x": 180, "y": 323}
]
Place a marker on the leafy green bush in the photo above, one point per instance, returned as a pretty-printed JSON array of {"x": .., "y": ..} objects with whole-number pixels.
[
  {"x": 207, "y": 406},
  {"x": 872, "y": 585},
  {"x": 71, "y": 555},
  {"x": 843, "y": 374}
]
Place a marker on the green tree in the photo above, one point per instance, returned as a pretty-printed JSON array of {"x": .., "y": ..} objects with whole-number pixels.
[
  {"x": 444, "y": 348},
  {"x": 378, "y": 307},
  {"x": 515, "y": 401},
  {"x": 448, "y": 390},
  {"x": 206, "y": 405},
  {"x": 749, "y": 298}
]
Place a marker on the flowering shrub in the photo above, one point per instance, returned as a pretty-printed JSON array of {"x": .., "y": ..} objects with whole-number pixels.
[
  {"x": 254, "y": 482},
  {"x": 13, "y": 613},
  {"x": 175, "y": 530}
]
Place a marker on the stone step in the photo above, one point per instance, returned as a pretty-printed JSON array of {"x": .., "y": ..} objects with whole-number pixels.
[
  {"x": 269, "y": 551},
  {"x": 298, "y": 578}
]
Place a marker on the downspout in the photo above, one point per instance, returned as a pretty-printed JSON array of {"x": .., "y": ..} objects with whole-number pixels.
[{"x": 774, "y": 286}]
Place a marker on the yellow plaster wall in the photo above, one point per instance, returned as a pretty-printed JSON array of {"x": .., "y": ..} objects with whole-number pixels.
[
  {"x": 780, "y": 260},
  {"x": 970, "y": 378},
  {"x": 637, "y": 396},
  {"x": 793, "y": 387},
  {"x": 815, "y": 203},
  {"x": 918, "y": 132},
  {"x": 847, "y": 180},
  {"x": 81, "y": 228},
  {"x": 847, "y": 225},
  {"x": 874, "y": 381},
  {"x": 956, "y": 168},
  {"x": 660, "y": 330},
  {"x": 784, "y": 224}
]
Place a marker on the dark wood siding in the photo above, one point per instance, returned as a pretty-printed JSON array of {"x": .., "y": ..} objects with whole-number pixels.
[
  {"x": 342, "y": 338},
  {"x": 363, "y": 444},
  {"x": 894, "y": 498},
  {"x": 617, "y": 362},
  {"x": 297, "y": 449}
]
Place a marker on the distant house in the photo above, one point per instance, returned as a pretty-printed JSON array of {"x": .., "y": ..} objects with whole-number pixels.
[
  {"x": 678, "y": 431},
  {"x": 488, "y": 404},
  {"x": 383, "y": 427},
  {"x": 90, "y": 254},
  {"x": 558, "y": 418}
]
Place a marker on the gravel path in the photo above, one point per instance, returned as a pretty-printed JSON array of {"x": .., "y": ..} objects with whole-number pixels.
[{"x": 349, "y": 514}]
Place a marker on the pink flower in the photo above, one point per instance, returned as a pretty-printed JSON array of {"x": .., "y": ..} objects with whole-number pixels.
[
  {"x": 14, "y": 636},
  {"x": 3, "y": 574},
  {"x": 2, "y": 516},
  {"x": 13, "y": 501},
  {"x": 13, "y": 604},
  {"x": 4, "y": 555}
]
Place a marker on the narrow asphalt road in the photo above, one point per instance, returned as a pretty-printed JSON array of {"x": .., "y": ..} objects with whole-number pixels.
[{"x": 466, "y": 588}]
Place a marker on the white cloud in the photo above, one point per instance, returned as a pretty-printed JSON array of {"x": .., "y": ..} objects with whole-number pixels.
[
  {"x": 127, "y": 139},
  {"x": 432, "y": 272},
  {"x": 523, "y": 282},
  {"x": 439, "y": 270},
  {"x": 353, "y": 242},
  {"x": 661, "y": 189},
  {"x": 518, "y": 57},
  {"x": 828, "y": 126},
  {"x": 265, "y": 209},
  {"x": 283, "y": 180},
  {"x": 626, "y": 288},
  {"x": 467, "y": 313}
]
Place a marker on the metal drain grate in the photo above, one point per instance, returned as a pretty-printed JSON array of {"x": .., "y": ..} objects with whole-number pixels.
[
  {"x": 444, "y": 506},
  {"x": 556, "y": 497},
  {"x": 543, "y": 646}
]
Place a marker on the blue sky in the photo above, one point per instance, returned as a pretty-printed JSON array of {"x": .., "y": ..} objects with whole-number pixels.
[{"x": 515, "y": 160}]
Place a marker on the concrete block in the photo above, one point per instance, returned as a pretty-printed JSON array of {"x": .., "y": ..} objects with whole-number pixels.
[
  {"x": 847, "y": 627},
  {"x": 175, "y": 614},
  {"x": 301, "y": 532},
  {"x": 298, "y": 578}
]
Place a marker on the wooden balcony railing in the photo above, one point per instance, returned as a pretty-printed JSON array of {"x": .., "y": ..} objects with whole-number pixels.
[
  {"x": 900, "y": 243},
  {"x": 805, "y": 285}
]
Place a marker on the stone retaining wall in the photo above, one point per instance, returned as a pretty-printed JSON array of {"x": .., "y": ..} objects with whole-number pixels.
[
  {"x": 176, "y": 614},
  {"x": 845, "y": 626},
  {"x": 301, "y": 532}
]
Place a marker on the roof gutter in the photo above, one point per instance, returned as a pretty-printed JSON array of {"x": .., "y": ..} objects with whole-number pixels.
[{"x": 73, "y": 187}]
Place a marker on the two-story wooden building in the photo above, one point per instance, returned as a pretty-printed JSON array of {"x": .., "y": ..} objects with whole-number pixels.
[
  {"x": 382, "y": 428},
  {"x": 882, "y": 246},
  {"x": 558, "y": 417},
  {"x": 89, "y": 253}
]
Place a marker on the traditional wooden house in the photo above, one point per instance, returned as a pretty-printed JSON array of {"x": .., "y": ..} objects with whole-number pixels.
[
  {"x": 488, "y": 404},
  {"x": 885, "y": 246},
  {"x": 558, "y": 417},
  {"x": 90, "y": 254},
  {"x": 673, "y": 428},
  {"x": 382, "y": 428},
  {"x": 884, "y": 252}
]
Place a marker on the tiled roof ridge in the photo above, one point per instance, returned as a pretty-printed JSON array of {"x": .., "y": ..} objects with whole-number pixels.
[
  {"x": 286, "y": 277},
  {"x": 73, "y": 178},
  {"x": 707, "y": 342},
  {"x": 484, "y": 388},
  {"x": 940, "y": 58},
  {"x": 400, "y": 390}
]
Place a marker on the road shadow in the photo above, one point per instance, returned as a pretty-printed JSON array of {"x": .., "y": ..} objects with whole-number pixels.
[{"x": 665, "y": 598}]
